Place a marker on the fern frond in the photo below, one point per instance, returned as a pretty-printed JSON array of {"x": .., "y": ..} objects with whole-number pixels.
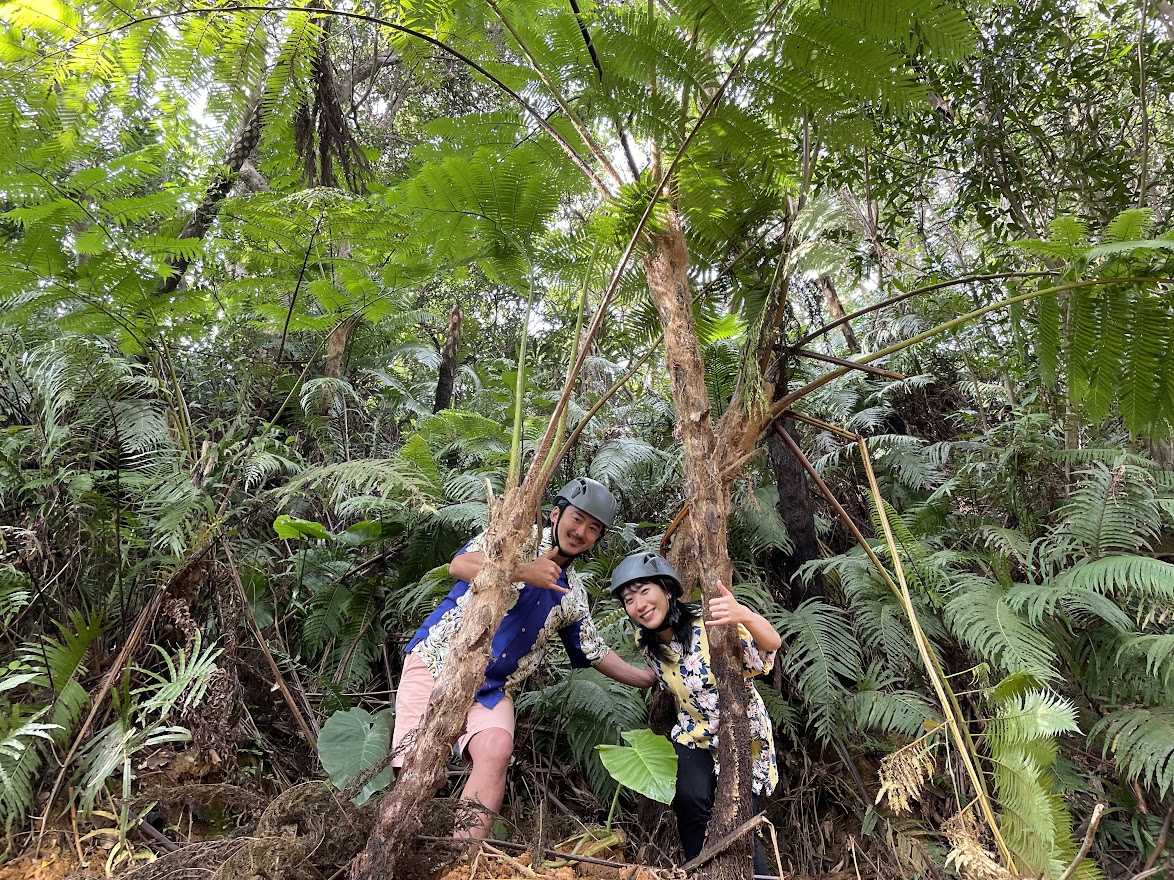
[
  {"x": 24, "y": 744},
  {"x": 1142, "y": 743},
  {"x": 821, "y": 656},
  {"x": 899, "y": 711},
  {"x": 595, "y": 710},
  {"x": 1158, "y": 651},
  {"x": 1022, "y": 745},
  {"x": 1126, "y": 578},
  {"x": 372, "y": 476},
  {"x": 980, "y": 614},
  {"x": 756, "y": 523}
]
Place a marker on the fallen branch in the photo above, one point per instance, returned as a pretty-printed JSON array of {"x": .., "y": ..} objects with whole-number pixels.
[
  {"x": 522, "y": 847},
  {"x": 1093, "y": 821},
  {"x": 722, "y": 845}
]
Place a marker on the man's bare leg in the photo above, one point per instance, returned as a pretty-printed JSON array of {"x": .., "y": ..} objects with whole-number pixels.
[{"x": 490, "y": 751}]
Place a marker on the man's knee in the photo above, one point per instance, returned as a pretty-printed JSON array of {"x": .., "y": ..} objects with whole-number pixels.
[{"x": 490, "y": 749}]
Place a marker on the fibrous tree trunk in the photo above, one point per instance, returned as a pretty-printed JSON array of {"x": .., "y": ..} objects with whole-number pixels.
[
  {"x": 447, "y": 375},
  {"x": 707, "y": 453},
  {"x": 248, "y": 135},
  {"x": 797, "y": 512},
  {"x": 836, "y": 308},
  {"x": 400, "y": 814}
]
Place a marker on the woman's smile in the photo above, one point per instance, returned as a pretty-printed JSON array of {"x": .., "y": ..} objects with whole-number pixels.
[{"x": 646, "y": 604}]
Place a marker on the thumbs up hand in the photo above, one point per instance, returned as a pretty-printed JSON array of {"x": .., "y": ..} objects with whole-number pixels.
[
  {"x": 726, "y": 609},
  {"x": 543, "y": 572}
]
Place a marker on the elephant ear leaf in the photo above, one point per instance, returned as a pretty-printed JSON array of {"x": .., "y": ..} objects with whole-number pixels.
[
  {"x": 353, "y": 740},
  {"x": 292, "y": 528},
  {"x": 648, "y": 765}
]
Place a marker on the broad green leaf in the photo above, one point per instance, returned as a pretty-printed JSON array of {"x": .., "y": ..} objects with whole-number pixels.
[
  {"x": 648, "y": 765},
  {"x": 351, "y": 741},
  {"x": 369, "y": 531},
  {"x": 291, "y": 527}
]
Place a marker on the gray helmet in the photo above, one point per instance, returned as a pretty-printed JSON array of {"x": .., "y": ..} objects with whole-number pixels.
[
  {"x": 646, "y": 567},
  {"x": 591, "y": 497}
]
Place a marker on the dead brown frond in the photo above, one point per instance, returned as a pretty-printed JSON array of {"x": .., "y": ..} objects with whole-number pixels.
[
  {"x": 969, "y": 857},
  {"x": 903, "y": 775}
]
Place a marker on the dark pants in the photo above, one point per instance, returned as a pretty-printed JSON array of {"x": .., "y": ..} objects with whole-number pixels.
[{"x": 696, "y": 785}]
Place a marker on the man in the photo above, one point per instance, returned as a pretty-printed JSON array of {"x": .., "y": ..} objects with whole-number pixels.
[{"x": 549, "y": 598}]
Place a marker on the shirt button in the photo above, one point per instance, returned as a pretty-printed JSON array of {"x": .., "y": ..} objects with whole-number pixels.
[{"x": 523, "y": 629}]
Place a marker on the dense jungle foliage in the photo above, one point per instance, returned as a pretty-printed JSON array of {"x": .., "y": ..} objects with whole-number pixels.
[{"x": 289, "y": 294}]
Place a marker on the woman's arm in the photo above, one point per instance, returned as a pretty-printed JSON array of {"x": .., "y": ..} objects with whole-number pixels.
[
  {"x": 616, "y": 667},
  {"x": 726, "y": 609}
]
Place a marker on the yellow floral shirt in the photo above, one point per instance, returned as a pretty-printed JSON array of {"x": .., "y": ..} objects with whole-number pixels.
[{"x": 687, "y": 675}]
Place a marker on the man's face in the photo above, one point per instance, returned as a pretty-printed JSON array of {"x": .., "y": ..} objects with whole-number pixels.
[{"x": 578, "y": 532}]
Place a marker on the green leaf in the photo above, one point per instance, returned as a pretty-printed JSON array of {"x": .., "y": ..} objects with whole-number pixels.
[
  {"x": 351, "y": 741},
  {"x": 291, "y": 527},
  {"x": 648, "y": 765},
  {"x": 369, "y": 531}
]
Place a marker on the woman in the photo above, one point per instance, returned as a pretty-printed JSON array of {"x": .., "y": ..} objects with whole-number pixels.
[{"x": 675, "y": 641}]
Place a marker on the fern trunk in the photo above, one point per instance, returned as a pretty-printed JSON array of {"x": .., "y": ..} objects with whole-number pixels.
[
  {"x": 447, "y": 374},
  {"x": 708, "y": 495},
  {"x": 401, "y": 813},
  {"x": 797, "y": 512}
]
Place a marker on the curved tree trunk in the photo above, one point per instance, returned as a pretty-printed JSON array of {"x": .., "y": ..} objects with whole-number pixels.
[
  {"x": 401, "y": 813},
  {"x": 707, "y": 492},
  {"x": 836, "y": 308},
  {"x": 447, "y": 376},
  {"x": 797, "y": 511}
]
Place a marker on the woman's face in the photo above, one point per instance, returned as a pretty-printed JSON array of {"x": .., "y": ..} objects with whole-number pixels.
[{"x": 646, "y": 604}]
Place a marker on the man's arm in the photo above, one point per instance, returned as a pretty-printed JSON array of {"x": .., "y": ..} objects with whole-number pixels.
[
  {"x": 542, "y": 572},
  {"x": 616, "y": 667}
]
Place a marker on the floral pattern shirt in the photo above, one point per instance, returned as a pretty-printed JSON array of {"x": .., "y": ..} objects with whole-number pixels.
[
  {"x": 686, "y": 674},
  {"x": 519, "y": 645}
]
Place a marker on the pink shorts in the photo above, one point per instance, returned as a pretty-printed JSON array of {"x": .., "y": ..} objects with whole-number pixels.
[{"x": 411, "y": 702}]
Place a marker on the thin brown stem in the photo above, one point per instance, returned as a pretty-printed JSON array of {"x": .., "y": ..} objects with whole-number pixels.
[
  {"x": 1093, "y": 822},
  {"x": 849, "y": 523},
  {"x": 901, "y": 297},
  {"x": 279, "y": 679},
  {"x": 842, "y": 362},
  {"x": 1143, "y": 164},
  {"x": 784, "y": 402}
]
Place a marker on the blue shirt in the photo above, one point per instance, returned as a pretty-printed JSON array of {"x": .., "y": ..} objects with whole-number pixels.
[{"x": 519, "y": 645}]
